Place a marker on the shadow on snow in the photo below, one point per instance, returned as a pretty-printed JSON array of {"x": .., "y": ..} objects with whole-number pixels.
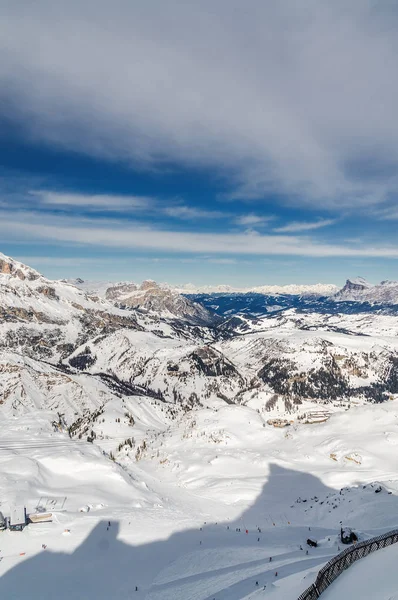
[{"x": 225, "y": 566}]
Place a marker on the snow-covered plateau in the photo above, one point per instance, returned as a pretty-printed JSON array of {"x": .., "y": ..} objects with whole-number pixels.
[{"x": 184, "y": 455}]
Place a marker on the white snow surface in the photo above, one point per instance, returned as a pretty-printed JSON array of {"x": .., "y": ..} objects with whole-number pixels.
[
  {"x": 370, "y": 578},
  {"x": 174, "y": 513}
]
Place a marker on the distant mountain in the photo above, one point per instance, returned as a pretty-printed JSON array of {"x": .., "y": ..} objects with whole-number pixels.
[
  {"x": 316, "y": 289},
  {"x": 158, "y": 299},
  {"x": 123, "y": 288},
  {"x": 152, "y": 297},
  {"x": 360, "y": 290}
]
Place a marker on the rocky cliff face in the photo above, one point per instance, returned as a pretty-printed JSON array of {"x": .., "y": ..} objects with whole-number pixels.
[
  {"x": 167, "y": 303},
  {"x": 117, "y": 292},
  {"x": 11, "y": 267},
  {"x": 360, "y": 290}
]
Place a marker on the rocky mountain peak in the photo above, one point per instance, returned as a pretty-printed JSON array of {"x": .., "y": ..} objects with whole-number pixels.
[
  {"x": 9, "y": 266},
  {"x": 358, "y": 283},
  {"x": 149, "y": 284},
  {"x": 360, "y": 290},
  {"x": 119, "y": 291}
]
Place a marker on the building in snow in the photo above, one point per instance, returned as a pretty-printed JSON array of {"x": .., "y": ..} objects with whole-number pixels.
[{"x": 18, "y": 518}]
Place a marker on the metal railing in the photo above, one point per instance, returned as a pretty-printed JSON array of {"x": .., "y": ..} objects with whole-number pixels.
[{"x": 345, "y": 559}]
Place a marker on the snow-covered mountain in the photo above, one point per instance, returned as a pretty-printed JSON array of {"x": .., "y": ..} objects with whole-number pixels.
[
  {"x": 317, "y": 289},
  {"x": 157, "y": 436},
  {"x": 150, "y": 297},
  {"x": 360, "y": 290},
  {"x": 15, "y": 269},
  {"x": 151, "y": 340}
]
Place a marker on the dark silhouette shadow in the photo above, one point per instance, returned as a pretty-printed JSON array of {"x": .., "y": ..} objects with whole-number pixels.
[{"x": 216, "y": 560}]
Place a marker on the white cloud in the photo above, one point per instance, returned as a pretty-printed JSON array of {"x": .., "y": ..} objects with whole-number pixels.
[
  {"x": 298, "y": 98},
  {"x": 188, "y": 213},
  {"x": 119, "y": 234},
  {"x": 385, "y": 214},
  {"x": 298, "y": 226},
  {"x": 94, "y": 201},
  {"x": 117, "y": 203},
  {"x": 252, "y": 219}
]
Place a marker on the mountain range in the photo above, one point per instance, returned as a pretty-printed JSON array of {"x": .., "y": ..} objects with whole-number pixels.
[
  {"x": 150, "y": 339},
  {"x": 356, "y": 289}
]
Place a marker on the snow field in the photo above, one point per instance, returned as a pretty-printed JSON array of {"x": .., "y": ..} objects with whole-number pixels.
[{"x": 173, "y": 523}]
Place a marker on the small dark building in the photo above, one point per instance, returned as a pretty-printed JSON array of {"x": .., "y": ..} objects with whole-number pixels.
[{"x": 348, "y": 536}]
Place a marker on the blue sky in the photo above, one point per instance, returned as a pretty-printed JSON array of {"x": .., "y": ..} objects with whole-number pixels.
[{"x": 229, "y": 142}]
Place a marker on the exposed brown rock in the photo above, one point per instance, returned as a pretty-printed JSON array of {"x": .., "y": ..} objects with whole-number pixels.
[
  {"x": 48, "y": 291},
  {"x": 116, "y": 291},
  {"x": 148, "y": 285}
]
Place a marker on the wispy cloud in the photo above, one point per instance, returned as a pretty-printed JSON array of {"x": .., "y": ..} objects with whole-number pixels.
[
  {"x": 298, "y": 226},
  {"x": 252, "y": 219},
  {"x": 50, "y": 199},
  {"x": 98, "y": 202},
  {"x": 127, "y": 235},
  {"x": 385, "y": 214},
  {"x": 281, "y": 109},
  {"x": 188, "y": 213}
]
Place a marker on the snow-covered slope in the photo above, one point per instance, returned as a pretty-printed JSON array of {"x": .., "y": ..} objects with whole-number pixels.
[
  {"x": 372, "y": 577},
  {"x": 180, "y": 502}
]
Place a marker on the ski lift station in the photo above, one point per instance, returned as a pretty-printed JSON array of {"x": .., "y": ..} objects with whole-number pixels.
[{"x": 18, "y": 518}]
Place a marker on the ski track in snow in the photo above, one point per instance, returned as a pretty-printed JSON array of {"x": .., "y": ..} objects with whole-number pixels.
[{"x": 158, "y": 523}]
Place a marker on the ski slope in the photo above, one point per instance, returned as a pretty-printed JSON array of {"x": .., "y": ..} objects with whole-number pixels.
[{"x": 178, "y": 526}]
